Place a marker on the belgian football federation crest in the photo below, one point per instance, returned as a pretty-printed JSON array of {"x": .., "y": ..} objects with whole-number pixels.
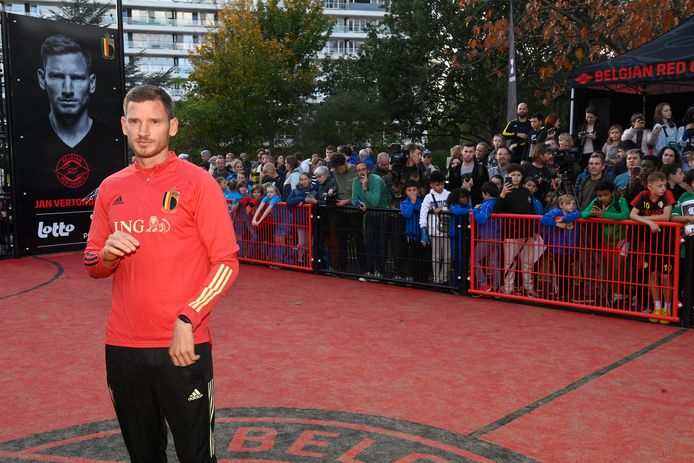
[
  {"x": 170, "y": 201},
  {"x": 108, "y": 46}
]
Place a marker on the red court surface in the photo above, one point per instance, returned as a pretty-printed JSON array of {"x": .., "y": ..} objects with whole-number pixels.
[{"x": 376, "y": 372}]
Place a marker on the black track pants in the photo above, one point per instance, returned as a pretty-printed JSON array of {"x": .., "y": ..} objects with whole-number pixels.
[{"x": 148, "y": 391}]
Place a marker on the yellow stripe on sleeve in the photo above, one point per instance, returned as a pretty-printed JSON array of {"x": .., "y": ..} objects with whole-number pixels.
[{"x": 214, "y": 288}]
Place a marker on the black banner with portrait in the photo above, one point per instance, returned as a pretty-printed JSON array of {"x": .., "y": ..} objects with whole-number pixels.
[{"x": 65, "y": 94}]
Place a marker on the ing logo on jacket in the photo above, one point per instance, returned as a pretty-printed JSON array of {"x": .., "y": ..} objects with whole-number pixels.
[{"x": 155, "y": 225}]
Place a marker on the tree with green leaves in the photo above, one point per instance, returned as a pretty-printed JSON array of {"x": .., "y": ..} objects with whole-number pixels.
[
  {"x": 426, "y": 89},
  {"x": 254, "y": 75},
  {"x": 85, "y": 12},
  {"x": 349, "y": 110}
]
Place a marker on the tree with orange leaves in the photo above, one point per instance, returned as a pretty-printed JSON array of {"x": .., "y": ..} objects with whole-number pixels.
[{"x": 555, "y": 36}]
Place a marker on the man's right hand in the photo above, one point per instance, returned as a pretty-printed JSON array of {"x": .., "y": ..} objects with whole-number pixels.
[{"x": 119, "y": 244}]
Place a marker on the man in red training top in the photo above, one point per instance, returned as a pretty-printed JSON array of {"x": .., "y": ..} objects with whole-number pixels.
[{"x": 162, "y": 229}]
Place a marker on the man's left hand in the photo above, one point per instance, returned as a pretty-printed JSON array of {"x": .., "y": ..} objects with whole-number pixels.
[{"x": 182, "y": 350}]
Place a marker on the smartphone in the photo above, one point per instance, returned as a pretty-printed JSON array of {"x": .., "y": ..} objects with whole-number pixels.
[
  {"x": 636, "y": 170},
  {"x": 508, "y": 180}
]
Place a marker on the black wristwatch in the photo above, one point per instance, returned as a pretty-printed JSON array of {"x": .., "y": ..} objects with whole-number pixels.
[{"x": 183, "y": 318}]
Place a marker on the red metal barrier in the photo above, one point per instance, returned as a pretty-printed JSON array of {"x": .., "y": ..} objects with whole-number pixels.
[
  {"x": 601, "y": 265},
  {"x": 283, "y": 238}
]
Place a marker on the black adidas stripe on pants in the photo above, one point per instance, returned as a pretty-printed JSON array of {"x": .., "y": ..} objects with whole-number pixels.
[{"x": 148, "y": 391}]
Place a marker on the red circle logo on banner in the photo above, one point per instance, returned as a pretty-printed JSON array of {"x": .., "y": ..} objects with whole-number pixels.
[{"x": 72, "y": 170}]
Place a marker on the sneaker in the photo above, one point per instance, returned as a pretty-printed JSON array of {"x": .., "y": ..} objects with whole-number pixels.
[
  {"x": 656, "y": 311},
  {"x": 666, "y": 313}
]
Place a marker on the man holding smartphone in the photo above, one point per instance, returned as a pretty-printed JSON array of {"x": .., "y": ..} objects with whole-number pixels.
[{"x": 633, "y": 163}]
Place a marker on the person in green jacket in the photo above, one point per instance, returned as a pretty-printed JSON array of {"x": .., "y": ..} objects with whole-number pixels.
[
  {"x": 369, "y": 191},
  {"x": 615, "y": 247}
]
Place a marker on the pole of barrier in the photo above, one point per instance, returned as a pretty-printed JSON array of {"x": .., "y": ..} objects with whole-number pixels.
[
  {"x": 464, "y": 274},
  {"x": 686, "y": 312},
  {"x": 313, "y": 234}
]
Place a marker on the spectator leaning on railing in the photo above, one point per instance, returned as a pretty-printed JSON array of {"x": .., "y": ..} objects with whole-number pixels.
[{"x": 369, "y": 192}]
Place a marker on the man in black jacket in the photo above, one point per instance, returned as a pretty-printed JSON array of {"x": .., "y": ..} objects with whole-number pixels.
[{"x": 473, "y": 173}]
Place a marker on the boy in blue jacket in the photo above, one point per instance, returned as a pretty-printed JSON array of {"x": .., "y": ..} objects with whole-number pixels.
[
  {"x": 459, "y": 205},
  {"x": 561, "y": 237},
  {"x": 410, "y": 208},
  {"x": 488, "y": 237}
]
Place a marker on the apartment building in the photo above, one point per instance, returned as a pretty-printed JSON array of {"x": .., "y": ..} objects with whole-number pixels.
[{"x": 164, "y": 32}]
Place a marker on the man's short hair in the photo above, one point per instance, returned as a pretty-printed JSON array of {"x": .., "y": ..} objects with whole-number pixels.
[
  {"x": 149, "y": 93},
  {"x": 598, "y": 155},
  {"x": 330, "y": 148},
  {"x": 539, "y": 150},
  {"x": 64, "y": 45},
  {"x": 591, "y": 110},
  {"x": 469, "y": 144},
  {"x": 490, "y": 188},
  {"x": 537, "y": 116},
  {"x": 437, "y": 177},
  {"x": 670, "y": 169},
  {"x": 345, "y": 149},
  {"x": 605, "y": 185},
  {"x": 515, "y": 168},
  {"x": 656, "y": 177},
  {"x": 412, "y": 147},
  {"x": 338, "y": 160}
]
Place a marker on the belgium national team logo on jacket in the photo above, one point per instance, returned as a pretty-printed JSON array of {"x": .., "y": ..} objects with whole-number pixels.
[{"x": 170, "y": 201}]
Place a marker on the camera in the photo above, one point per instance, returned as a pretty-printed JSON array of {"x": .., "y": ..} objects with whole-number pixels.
[
  {"x": 398, "y": 159},
  {"x": 564, "y": 158},
  {"x": 467, "y": 177}
]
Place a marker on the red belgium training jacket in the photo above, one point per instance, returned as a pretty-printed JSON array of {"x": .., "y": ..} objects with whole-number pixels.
[{"x": 187, "y": 255}]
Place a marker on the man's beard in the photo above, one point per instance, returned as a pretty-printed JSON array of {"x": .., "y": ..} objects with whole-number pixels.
[{"x": 151, "y": 150}]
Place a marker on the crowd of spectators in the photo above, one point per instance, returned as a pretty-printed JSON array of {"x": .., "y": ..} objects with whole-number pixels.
[{"x": 531, "y": 168}]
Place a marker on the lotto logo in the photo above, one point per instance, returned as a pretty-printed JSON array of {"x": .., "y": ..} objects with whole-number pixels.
[{"x": 56, "y": 230}]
